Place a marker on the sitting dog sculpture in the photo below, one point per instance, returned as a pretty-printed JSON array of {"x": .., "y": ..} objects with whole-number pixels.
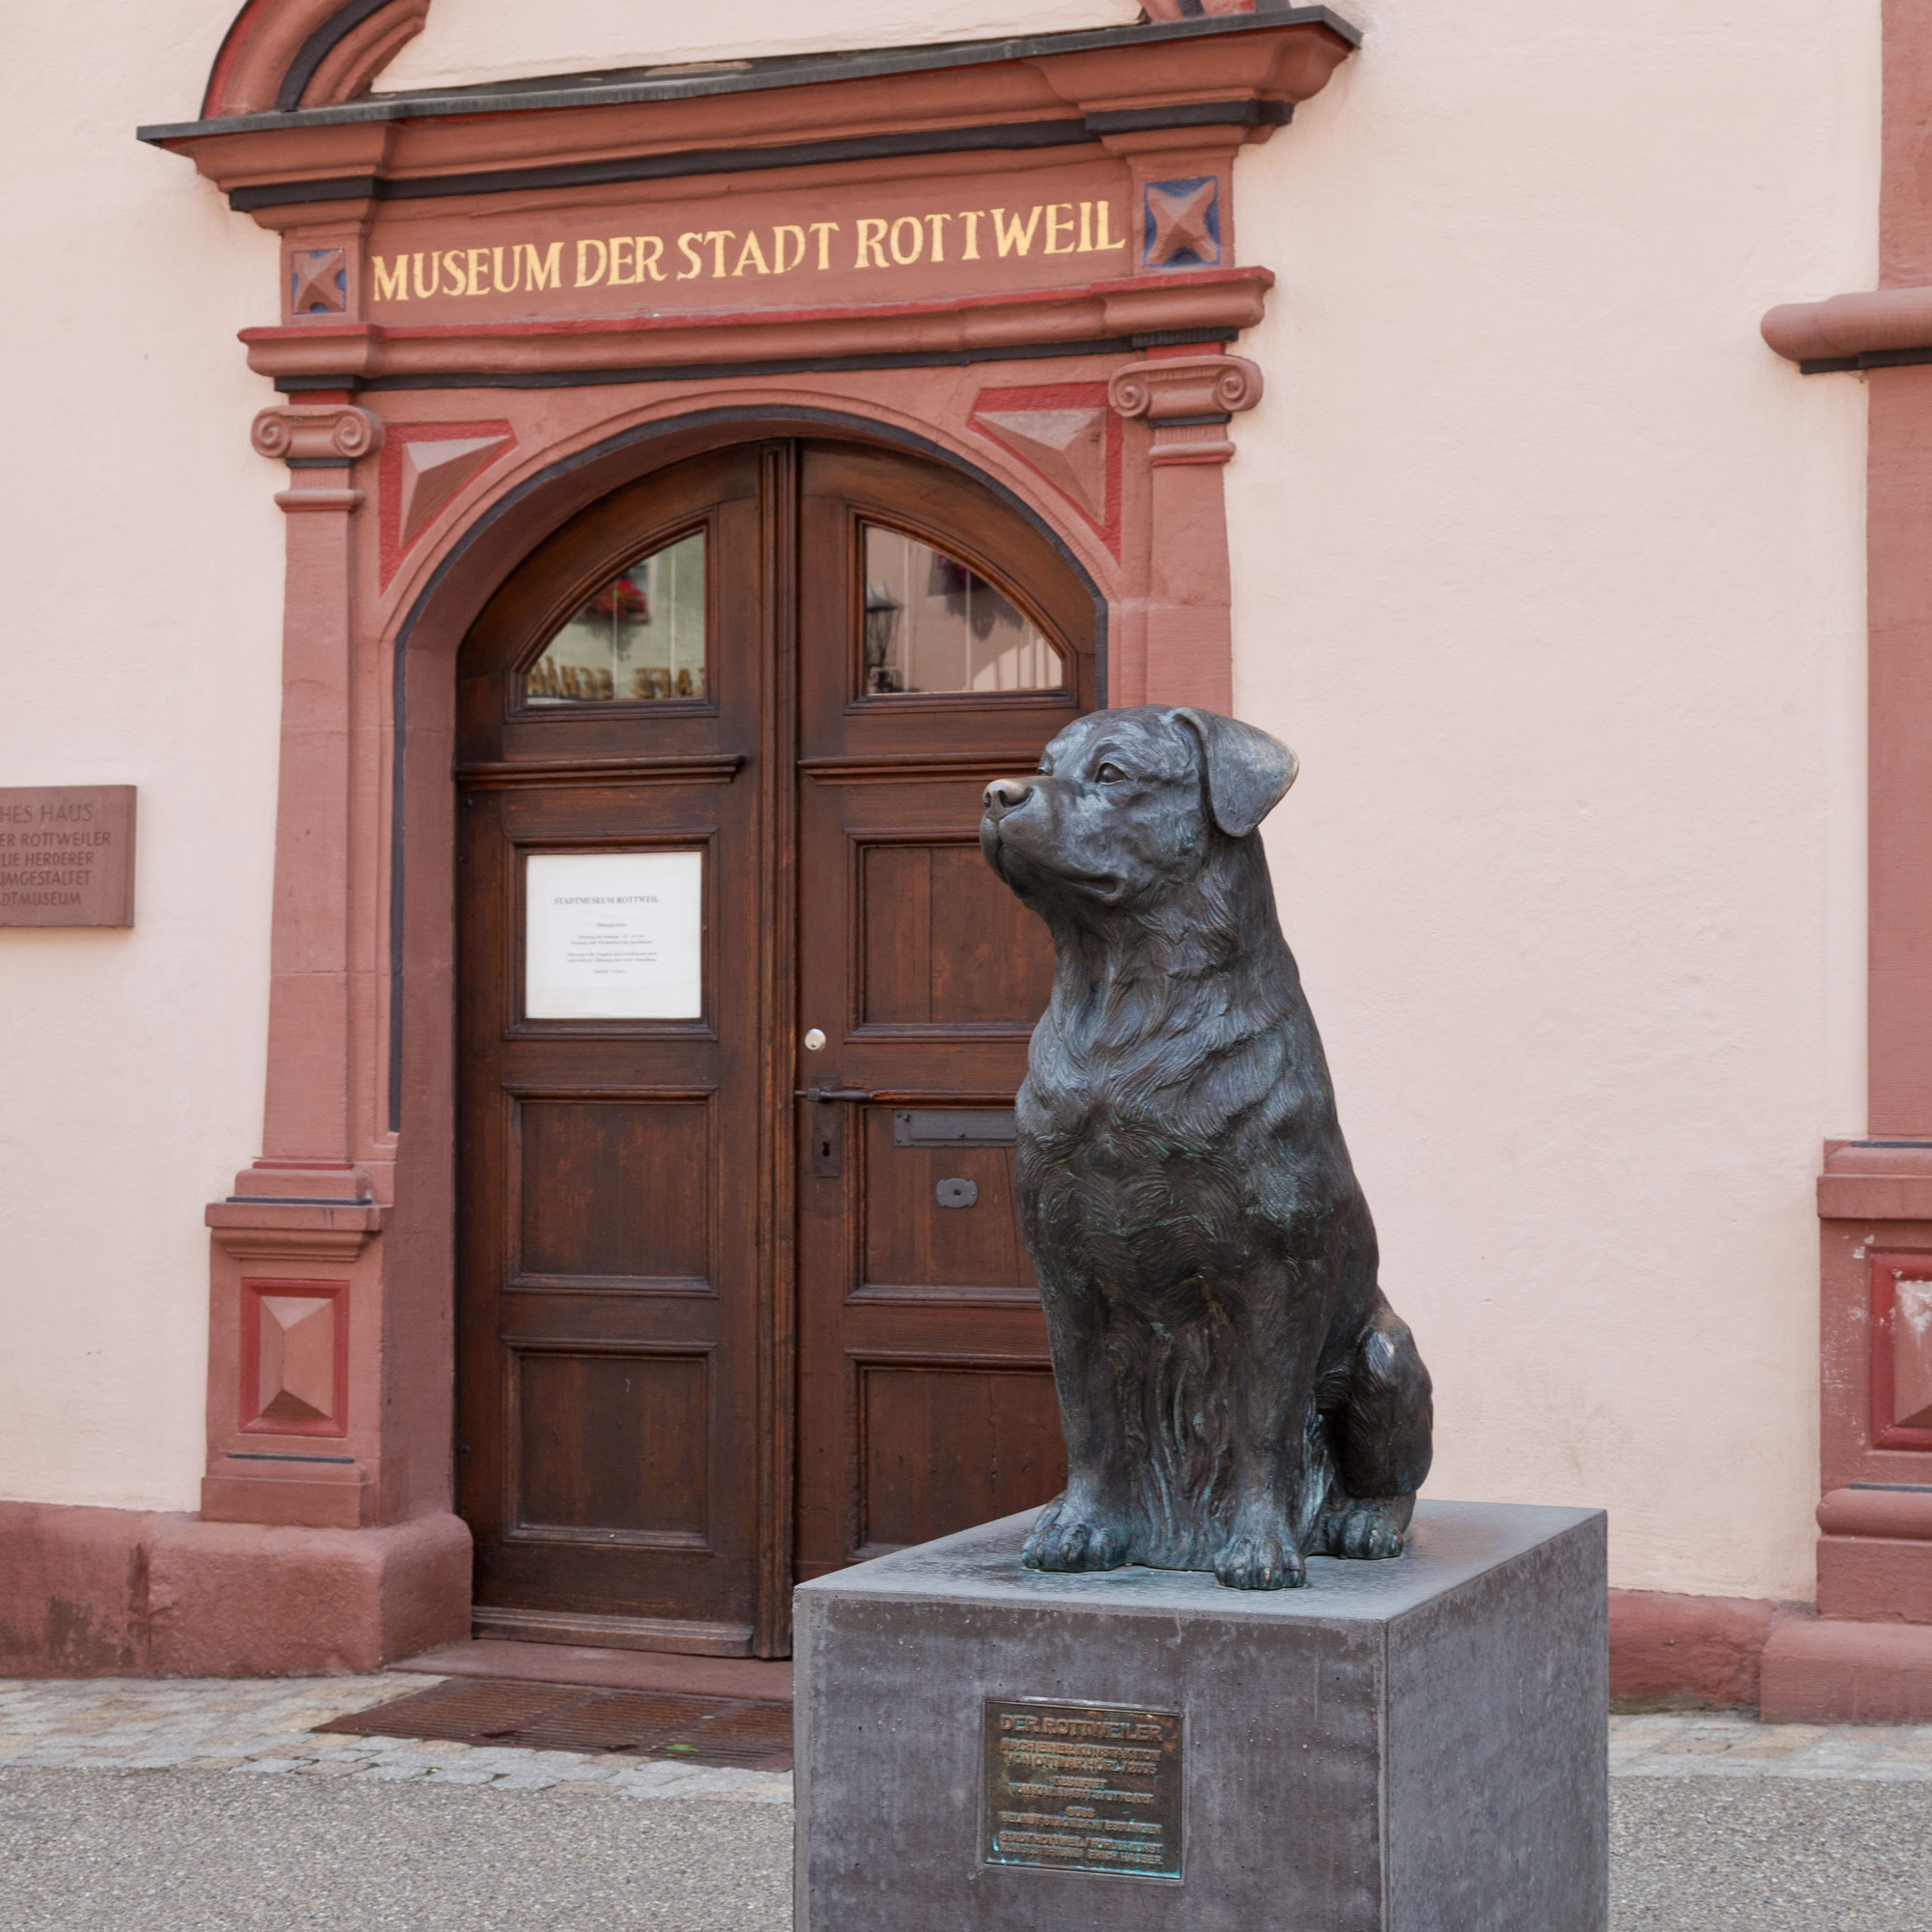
[{"x": 1236, "y": 1392}]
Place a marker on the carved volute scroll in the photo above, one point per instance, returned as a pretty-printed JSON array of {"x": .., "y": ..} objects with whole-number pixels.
[{"x": 1188, "y": 400}]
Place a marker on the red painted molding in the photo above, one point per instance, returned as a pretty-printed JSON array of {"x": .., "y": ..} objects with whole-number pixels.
[
  {"x": 277, "y": 1411},
  {"x": 306, "y": 53},
  {"x": 1888, "y": 1432},
  {"x": 1231, "y": 298}
]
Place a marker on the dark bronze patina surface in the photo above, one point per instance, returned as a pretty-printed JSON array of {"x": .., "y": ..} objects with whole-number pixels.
[
  {"x": 1237, "y": 1393},
  {"x": 1082, "y": 1787}
]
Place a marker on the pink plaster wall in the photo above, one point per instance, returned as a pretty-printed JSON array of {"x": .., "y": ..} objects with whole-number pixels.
[
  {"x": 1547, "y": 568},
  {"x": 140, "y": 587}
]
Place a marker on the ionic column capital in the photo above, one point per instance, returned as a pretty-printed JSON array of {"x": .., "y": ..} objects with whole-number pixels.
[
  {"x": 332, "y": 438},
  {"x": 1187, "y": 401}
]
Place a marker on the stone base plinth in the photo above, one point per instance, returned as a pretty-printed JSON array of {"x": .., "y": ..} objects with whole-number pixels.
[
  {"x": 1413, "y": 1745},
  {"x": 135, "y": 1593}
]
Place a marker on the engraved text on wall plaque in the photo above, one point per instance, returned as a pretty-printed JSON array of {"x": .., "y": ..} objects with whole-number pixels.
[
  {"x": 67, "y": 855},
  {"x": 1082, "y": 1787}
]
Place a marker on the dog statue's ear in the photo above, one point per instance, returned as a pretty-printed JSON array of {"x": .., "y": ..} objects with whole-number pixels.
[{"x": 1247, "y": 771}]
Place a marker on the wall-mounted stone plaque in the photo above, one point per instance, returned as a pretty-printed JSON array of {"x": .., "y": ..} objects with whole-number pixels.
[
  {"x": 1082, "y": 1787},
  {"x": 67, "y": 855}
]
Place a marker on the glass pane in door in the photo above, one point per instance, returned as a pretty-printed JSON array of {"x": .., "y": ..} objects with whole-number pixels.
[
  {"x": 934, "y": 624},
  {"x": 640, "y": 638}
]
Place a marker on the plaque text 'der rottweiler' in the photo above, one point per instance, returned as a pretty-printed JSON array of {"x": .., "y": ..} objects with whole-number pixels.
[{"x": 1082, "y": 1787}]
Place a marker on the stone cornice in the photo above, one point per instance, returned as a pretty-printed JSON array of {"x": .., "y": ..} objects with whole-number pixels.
[
  {"x": 1102, "y": 316},
  {"x": 1224, "y": 81},
  {"x": 1876, "y": 1181},
  {"x": 293, "y": 1231},
  {"x": 288, "y": 64}
]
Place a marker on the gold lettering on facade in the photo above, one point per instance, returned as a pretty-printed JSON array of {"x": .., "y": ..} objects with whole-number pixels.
[
  {"x": 780, "y": 235},
  {"x": 543, "y": 272},
  {"x": 906, "y": 253},
  {"x": 1011, "y": 236},
  {"x": 879, "y": 241}
]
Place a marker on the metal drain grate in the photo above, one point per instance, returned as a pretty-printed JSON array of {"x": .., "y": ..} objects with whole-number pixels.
[{"x": 751, "y": 1733}]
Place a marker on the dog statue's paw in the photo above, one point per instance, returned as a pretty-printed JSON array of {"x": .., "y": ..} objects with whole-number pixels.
[
  {"x": 1062, "y": 1539},
  {"x": 1260, "y": 1563},
  {"x": 1366, "y": 1531}
]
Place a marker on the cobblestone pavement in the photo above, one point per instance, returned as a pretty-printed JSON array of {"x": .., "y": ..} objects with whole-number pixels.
[
  {"x": 263, "y": 1727},
  {"x": 256, "y": 1824},
  {"x": 209, "y": 1806}
]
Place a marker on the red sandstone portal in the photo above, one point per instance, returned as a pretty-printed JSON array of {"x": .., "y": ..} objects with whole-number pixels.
[{"x": 1023, "y": 266}]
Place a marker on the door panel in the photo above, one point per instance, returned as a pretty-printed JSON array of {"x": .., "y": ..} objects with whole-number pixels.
[
  {"x": 612, "y": 1443},
  {"x": 926, "y": 1400},
  {"x": 614, "y": 1191},
  {"x": 943, "y": 943},
  {"x": 615, "y": 1297},
  {"x": 714, "y": 1336},
  {"x": 922, "y": 1230},
  {"x": 960, "y": 1441}
]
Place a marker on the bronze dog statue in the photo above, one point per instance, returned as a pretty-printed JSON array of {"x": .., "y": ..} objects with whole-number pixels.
[{"x": 1236, "y": 1392}]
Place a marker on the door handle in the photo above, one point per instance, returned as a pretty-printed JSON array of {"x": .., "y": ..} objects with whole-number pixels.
[{"x": 823, "y": 1093}]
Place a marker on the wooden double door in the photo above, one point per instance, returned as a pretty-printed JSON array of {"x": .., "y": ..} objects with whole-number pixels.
[{"x": 742, "y": 1014}]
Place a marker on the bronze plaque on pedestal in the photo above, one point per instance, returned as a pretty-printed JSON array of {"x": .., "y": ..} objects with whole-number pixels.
[
  {"x": 67, "y": 855},
  {"x": 1082, "y": 1787}
]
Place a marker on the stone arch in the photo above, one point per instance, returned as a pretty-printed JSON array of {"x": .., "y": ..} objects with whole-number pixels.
[{"x": 279, "y": 55}]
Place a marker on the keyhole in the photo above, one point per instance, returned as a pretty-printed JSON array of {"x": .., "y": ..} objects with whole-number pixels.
[{"x": 956, "y": 1193}]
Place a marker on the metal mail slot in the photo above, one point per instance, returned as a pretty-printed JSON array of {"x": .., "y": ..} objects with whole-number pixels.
[{"x": 953, "y": 1127}]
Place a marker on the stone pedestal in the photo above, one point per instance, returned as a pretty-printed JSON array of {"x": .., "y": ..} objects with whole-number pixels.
[{"x": 1413, "y": 1745}]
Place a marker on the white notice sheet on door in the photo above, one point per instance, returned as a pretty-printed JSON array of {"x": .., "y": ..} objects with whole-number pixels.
[{"x": 614, "y": 936}]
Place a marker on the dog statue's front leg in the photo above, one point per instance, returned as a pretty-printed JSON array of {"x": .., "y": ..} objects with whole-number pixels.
[
  {"x": 1277, "y": 1384},
  {"x": 1088, "y": 1526}
]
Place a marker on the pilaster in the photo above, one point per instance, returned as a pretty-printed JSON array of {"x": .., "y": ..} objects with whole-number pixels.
[
  {"x": 295, "y": 1364},
  {"x": 1185, "y": 401}
]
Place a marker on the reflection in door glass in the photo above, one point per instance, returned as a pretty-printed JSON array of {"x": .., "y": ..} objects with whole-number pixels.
[
  {"x": 642, "y": 636},
  {"x": 933, "y": 623}
]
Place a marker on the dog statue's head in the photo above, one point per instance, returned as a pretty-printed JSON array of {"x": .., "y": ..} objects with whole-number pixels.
[{"x": 1128, "y": 807}]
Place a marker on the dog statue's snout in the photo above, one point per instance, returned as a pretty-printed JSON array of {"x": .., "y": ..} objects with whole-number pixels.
[{"x": 1004, "y": 795}]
